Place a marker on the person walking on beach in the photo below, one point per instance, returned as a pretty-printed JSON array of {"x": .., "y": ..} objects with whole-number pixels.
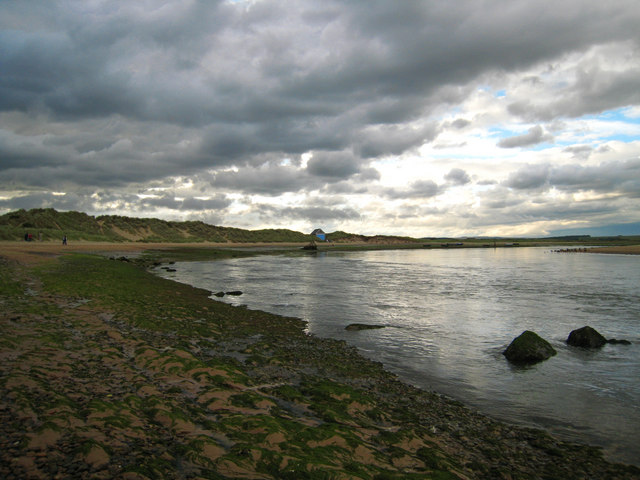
[{"x": 64, "y": 240}]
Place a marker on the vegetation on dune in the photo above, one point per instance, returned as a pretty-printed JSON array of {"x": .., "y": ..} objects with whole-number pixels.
[
  {"x": 50, "y": 225},
  {"x": 344, "y": 237}
]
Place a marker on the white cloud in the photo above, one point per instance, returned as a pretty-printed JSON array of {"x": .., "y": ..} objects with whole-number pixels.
[{"x": 534, "y": 136}]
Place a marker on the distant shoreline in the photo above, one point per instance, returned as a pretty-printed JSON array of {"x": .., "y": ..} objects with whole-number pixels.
[
  {"x": 36, "y": 249},
  {"x": 620, "y": 250}
]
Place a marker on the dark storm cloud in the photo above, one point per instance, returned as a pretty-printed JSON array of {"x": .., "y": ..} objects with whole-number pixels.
[
  {"x": 534, "y": 136},
  {"x": 622, "y": 178},
  {"x": 286, "y": 78},
  {"x": 337, "y": 165},
  {"x": 170, "y": 201},
  {"x": 218, "y": 202},
  {"x": 26, "y": 155},
  {"x": 619, "y": 177},
  {"x": 384, "y": 140},
  {"x": 46, "y": 200},
  {"x": 593, "y": 90},
  {"x": 417, "y": 189},
  {"x": 529, "y": 177},
  {"x": 312, "y": 211},
  {"x": 516, "y": 211},
  {"x": 79, "y": 60},
  {"x": 330, "y": 172},
  {"x": 269, "y": 180}
]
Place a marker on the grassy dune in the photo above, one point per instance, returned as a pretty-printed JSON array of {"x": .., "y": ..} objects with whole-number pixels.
[
  {"x": 108, "y": 371},
  {"x": 50, "y": 225}
]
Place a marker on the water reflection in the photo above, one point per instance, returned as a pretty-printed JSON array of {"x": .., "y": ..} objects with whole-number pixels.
[{"x": 450, "y": 313}]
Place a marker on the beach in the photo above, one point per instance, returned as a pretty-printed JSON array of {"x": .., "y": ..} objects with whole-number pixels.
[
  {"x": 620, "y": 250},
  {"x": 108, "y": 371}
]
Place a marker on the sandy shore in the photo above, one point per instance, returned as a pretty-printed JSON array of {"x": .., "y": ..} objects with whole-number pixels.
[
  {"x": 625, "y": 250},
  {"x": 107, "y": 371},
  {"x": 36, "y": 249},
  {"x": 33, "y": 251}
]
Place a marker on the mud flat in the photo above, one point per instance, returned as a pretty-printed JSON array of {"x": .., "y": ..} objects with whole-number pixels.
[
  {"x": 624, "y": 250},
  {"x": 107, "y": 371}
]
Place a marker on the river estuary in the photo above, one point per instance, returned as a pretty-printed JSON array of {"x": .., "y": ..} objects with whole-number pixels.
[{"x": 449, "y": 314}]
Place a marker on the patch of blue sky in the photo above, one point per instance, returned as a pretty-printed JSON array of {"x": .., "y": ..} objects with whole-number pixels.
[
  {"x": 595, "y": 140},
  {"x": 616, "y": 125},
  {"x": 620, "y": 137},
  {"x": 500, "y": 132},
  {"x": 623, "y": 114},
  {"x": 559, "y": 143},
  {"x": 496, "y": 93}
]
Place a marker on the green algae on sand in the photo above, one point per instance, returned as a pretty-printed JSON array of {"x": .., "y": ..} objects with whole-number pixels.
[{"x": 110, "y": 372}]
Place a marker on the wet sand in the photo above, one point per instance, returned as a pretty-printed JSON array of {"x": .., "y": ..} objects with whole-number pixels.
[
  {"x": 624, "y": 250},
  {"x": 35, "y": 251}
]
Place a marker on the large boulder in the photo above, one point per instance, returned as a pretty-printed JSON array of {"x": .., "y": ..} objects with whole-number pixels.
[
  {"x": 529, "y": 348},
  {"x": 586, "y": 337}
]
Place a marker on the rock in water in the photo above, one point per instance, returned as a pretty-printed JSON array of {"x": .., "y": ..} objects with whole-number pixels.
[
  {"x": 529, "y": 348},
  {"x": 362, "y": 326},
  {"x": 586, "y": 337}
]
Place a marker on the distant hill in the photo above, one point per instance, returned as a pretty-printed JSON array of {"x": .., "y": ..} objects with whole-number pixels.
[
  {"x": 52, "y": 225},
  {"x": 343, "y": 237}
]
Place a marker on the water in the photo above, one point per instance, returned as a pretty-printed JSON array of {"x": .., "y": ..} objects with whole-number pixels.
[{"x": 450, "y": 314}]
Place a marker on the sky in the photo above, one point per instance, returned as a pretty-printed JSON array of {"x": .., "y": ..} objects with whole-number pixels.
[{"x": 420, "y": 118}]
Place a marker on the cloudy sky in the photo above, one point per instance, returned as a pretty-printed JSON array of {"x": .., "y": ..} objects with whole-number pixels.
[{"x": 423, "y": 118}]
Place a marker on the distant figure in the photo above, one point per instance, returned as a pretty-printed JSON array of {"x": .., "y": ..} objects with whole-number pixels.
[
  {"x": 64, "y": 240},
  {"x": 40, "y": 236},
  {"x": 26, "y": 237},
  {"x": 29, "y": 238}
]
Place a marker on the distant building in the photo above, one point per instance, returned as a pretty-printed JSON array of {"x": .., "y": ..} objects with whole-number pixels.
[{"x": 320, "y": 234}]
